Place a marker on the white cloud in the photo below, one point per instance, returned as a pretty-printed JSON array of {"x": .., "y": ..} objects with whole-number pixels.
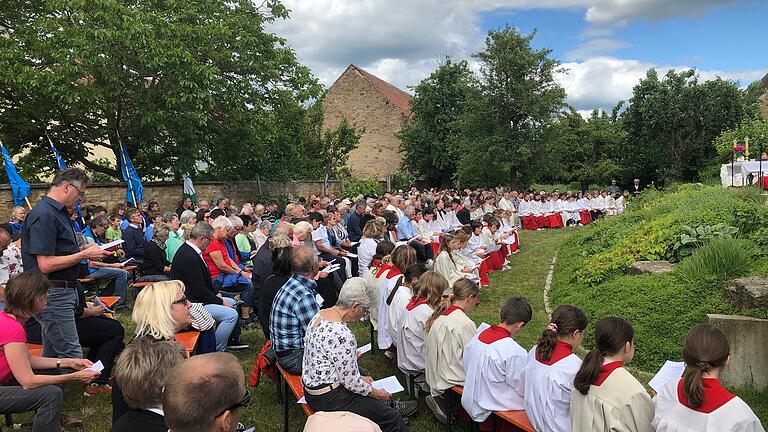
[{"x": 595, "y": 46}]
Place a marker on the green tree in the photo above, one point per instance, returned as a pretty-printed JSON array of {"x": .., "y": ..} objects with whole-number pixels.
[
  {"x": 754, "y": 128},
  {"x": 178, "y": 81},
  {"x": 671, "y": 124},
  {"x": 515, "y": 102},
  {"x": 430, "y": 141}
]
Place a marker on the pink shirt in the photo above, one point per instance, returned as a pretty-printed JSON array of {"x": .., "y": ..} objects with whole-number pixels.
[{"x": 10, "y": 331}]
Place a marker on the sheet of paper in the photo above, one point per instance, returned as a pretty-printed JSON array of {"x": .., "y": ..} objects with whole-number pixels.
[
  {"x": 126, "y": 262},
  {"x": 112, "y": 244},
  {"x": 98, "y": 367},
  {"x": 248, "y": 430},
  {"x": 492, "y": 248},
  {"x": 671, "y": 371},
  {"x": 351, "y": 255},
  {"x": 331, "y": 268},
  {"x": 482, "y": 327},
  {"x": 302, "y": 401},
  {"x": 319, "y": 300},
  {"x": 510, "y": 239},
  {"x": 354, "y": 243},
  {"x": 363, "y": 349},
  {"x": 389, "y": 384}
]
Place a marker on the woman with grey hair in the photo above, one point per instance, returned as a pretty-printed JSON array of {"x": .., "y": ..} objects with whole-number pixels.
[
  {"x": 330, "y": 374},
  {"x": 156, "y": 266},
  {"x": 188, "y": 217}
]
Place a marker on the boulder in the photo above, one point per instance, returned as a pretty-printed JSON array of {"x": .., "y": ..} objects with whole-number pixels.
[
  {"x": 749, "y": 292},
  {"x": 646, "y": 267}
]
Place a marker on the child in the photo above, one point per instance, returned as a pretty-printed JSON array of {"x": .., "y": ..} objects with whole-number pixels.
[
  {"x": 450, "y": 262},
  {"x": 113, "y": 232},
  {"x": 380, "y": 264},
  {"x": 400, "y": 296},
  {"x": 402, "y": 258},
  {"x": 698, "y": 402},
  {"x": 494, "y": 363},
  {"x": 608, "y": 398},
  {"x": 551, "y": 368},
  {"x": 448, "y": 331}
]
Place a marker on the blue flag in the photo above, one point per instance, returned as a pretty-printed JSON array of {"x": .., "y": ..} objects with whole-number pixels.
[
  {"x": 63, "y": 165},
  {"x": 19, "y": 187},
  {"x": 135, "y": 192}
]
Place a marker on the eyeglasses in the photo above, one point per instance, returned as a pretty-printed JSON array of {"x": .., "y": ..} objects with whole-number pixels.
[
  {"x": 244, "y": 402},
  {"x": 80, "y": 193},
  {"x": 182, "y": 301}
]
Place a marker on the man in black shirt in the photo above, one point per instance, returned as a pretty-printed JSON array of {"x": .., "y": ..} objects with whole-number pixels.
[{"x": 48, "y": 244}]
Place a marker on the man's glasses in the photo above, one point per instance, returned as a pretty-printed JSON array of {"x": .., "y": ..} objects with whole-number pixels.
[
  {"x": 244, "y": 402},
  {"x": 182, "y": 301},
  {"x": 80, "y": 193}
]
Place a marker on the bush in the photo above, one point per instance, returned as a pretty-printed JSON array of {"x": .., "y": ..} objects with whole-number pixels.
[
  {"x": 353, "y": 187},
  {"x": 401, "y": 180},
  {"x": 692, "y": 239},
  {"x": 720, "y": 259}
]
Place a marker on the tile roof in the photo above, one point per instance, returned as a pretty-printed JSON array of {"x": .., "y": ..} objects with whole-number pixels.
[{"x": 399, "y": 98}]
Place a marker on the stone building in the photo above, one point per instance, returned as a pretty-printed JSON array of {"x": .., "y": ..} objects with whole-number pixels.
[
  {"x": 371, "y": 103},
  {"x": 764, "y": 97}
]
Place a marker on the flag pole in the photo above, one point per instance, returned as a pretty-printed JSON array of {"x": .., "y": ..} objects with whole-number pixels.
[
  {"x": 125, "y": 167},
  {"x": 28, "y": 204}
]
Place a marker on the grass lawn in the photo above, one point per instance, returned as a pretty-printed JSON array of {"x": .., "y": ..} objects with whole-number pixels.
[{"x": 529, "y": 270}]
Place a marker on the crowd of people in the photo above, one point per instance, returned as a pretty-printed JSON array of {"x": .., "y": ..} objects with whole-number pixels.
[{"x": 414, "y": 263}]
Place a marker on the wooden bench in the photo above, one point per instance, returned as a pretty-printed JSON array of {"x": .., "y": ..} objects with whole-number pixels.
[
  {"x": 293, "y": 384},
  {"x": 138, "y": 286},
  {"x": 188, "y": 340},
  {"x": 109, "y": 301},
  {"x": 517, "y": 418},
  {"x": 86, "y": 280},
  {"x": 35, "y": 350}
]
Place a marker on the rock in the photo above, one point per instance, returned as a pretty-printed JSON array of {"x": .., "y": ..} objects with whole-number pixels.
[
  {"x": 749, "y": 292},
  {"x": 646, "y": 267}
]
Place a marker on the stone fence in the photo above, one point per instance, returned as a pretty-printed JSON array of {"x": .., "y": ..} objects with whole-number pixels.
[{"x": 168, "y": 194}]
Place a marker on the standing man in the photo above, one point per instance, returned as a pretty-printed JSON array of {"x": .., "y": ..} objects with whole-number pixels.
[{"x": 48, "y": 244}]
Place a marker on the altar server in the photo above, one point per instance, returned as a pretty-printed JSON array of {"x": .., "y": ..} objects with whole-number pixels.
[
  {"x": 538, "y": 212},
  {"x": 551, "y": 368},
  {"x": 525, "y": 213},
  {"x": 381, "y": 262},
  {"x": 698, "y": 402},
  {"x": 494, "y": 363},
  {"x": 607, "y": 397},
  {"x": 450, "y": 262},
  {"x": 448, "y": 331},
  {"x": 402, "y": 258},
  {"x": 399, "y": 297}
]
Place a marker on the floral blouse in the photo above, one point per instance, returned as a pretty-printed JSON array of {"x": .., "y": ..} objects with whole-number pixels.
[
  {"x": 10, "y": 263},
  {"x": 330, "y": 357}
]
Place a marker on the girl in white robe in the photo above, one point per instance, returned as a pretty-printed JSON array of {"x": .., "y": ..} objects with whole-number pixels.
[
  {"x": 450, "y": 262},
  {"x": 698, "y": 402},
  {"x": 402, "y": 258},
  {"x": 550, "y": 371},
  {"x": 448, "y": 331},
  {"x": 494, "y": 364},
  {"x": 606, "y": 397},
  {"x": 381, "y": 263},
  {"x": 399, "y": 297}
]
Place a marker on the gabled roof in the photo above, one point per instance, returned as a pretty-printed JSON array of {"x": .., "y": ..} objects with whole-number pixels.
[{"x": 399, "y": 98}]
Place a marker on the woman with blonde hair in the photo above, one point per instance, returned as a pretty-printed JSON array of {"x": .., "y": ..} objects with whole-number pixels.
[
  {"x": 448, "y": 331},
  {"x": 373, "y": 231},
  {"x": 302, "y": 234}
]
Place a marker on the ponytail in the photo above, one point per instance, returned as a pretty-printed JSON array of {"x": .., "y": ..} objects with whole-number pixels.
[
  {"x": 706, "y": 348},
  {"x": 462, "y": 290},
  {"x": 565, "y": 320},
  {"x": 693, "y": 387},
  {"x": 611, "y": 335},
  {"x": 431, "y": 286},
  {"x": 442, "y": 307}
]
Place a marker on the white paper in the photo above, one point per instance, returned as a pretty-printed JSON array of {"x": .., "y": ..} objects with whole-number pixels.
[
  {"x": 492, "y": 248},
  {"x": 671, "y": 371},
  {"x": 390, "y": 384},
  {"x": 482, "y": 327},
  {"x": 353, "y": 244},
  {"x": 300, "y": 401},
  {"x": 363, "y": 349},
  {"x": 331, "y": 268},
  {"x": 319, "y": 300},
  {"x": 351, "y": 255},
  {"x": 97, "y": 367},
  {"x": 510, "y": 239},
  {"x": 248, "y": 430},
  {"x": 125, "y": 263},
  {"x": 112, "y": 244}
]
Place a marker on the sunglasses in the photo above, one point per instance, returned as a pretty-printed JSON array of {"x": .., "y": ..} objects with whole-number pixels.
[
  {"x": 244, "y": 402},
  {"x": 182, "y": 301}
]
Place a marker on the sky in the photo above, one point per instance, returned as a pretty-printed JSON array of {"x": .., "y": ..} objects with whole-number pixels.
[{"x": 606, "y": 46}]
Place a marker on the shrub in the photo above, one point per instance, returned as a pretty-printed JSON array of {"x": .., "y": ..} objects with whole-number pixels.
[
  {"x": 352, "y": 186},
  {"x": 720, "y": 259},
  {"x": 692, "y": 239}
]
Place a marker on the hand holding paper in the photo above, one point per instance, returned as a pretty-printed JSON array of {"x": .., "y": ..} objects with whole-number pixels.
[{"x": 389, "y": 384}]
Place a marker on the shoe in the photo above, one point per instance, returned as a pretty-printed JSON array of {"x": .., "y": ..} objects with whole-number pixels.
[
  {"x": 237, "y": 347},
  {"x": 434, "y": 405},
  {"x": 249, "y": 323},
  {"x": 97, "y": 389},
  {"x": 65, "y": 421},
  {"x": 405, "y": 408}
]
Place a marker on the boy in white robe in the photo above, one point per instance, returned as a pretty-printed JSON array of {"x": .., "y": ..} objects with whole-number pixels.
[{"x": 494, "y": 363}]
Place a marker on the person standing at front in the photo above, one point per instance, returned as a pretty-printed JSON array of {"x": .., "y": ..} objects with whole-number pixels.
[{"x": 48, "y": 244}]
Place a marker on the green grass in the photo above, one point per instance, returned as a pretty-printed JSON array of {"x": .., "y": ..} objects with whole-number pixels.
[{"x": 527, "y": 277}]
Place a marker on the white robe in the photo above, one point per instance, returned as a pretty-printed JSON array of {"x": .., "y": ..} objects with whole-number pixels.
[
  {"x": 506, "y": 204},
  {"x": 365, "y": 252},
  {"x": 621, "y": 204},
  {"x": 445, "y": 267},
  {"x": 548, "y": 392},
  {"x": 494, "y": 374},
  {"x": 620, "y": 403},
  {"x": 385, "y": 287},
  {"x": 444, "y": 349},
  {"x": 410, "y": 355},
  {"x": 672, "y": 416},
  {"x": 396, "y": 310},
  {"x": 524, "y": 209}
]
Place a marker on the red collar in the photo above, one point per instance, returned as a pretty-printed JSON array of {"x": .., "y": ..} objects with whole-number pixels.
[
  {"x": 384, "y": 268},
  {"x": 451, "y": 309},
  {"x": 606, "y": 371},
  {"x": 561, "y": 351},
  {"x": 375, "y": 263},
  {"x": 415, "y": 302},
  {"x": 493, "y": 334},
  {"x": 393, "y": 272},
  {"x": 715, "y": 395}
]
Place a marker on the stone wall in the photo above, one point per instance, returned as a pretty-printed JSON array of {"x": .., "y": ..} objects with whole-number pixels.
[
  {"x": 168, "y": 194},
  {"x": 748, "y": 338},
  {"x": 353, "y": 97}
]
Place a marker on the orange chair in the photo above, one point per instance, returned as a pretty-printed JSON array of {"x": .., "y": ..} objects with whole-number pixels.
[
  {"x": 35, "y": 350},
  {"x": 293, "y": 383},
  {"x": 109, "y": 301},
  {"x": 188, "y": 340}
]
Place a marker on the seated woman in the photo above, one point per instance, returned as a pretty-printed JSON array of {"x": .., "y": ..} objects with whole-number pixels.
[
  {"x": 330, "y": 374},
  {"x": 21, "y": 389},
  {"x": 373, "y": 231},
  {"x": 402, "y": 258},
  {"x": 161, "y": 310},
  {"x": 17, "y": 218},
  {"x": 608, "y": 397},
  {"x": 698, "y": 402},
  {"x": 551, "y": 368},
  {"x": 155, "y": 266},
  {"x": 450, "y": 262},
  {"x": 410, "y": 337},
  {"x": 400, "y": 296},
  {"x": 448, "y": 331},
  {"x": 494, "y": 363}
]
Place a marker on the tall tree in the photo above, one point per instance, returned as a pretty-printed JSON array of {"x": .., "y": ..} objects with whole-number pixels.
[
  {"x": 430, "y": 141},
  {"x": 166, "y": 78},
  {"x": 516, "y": 100}
]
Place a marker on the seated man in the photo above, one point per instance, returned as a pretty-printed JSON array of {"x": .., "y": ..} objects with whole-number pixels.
[
  {"x": 206, "y": 393},
  {"x": 294, "y": 306},
  {"x": 494, "y": 362},
  {"x": 406, "y": 231},
  {"x": 141, "y": 372},
  {"x": 133, "y": 235}
]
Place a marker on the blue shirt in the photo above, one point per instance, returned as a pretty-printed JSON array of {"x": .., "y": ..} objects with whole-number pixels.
[
  {"x": 48, "y": 231},
  {"x": 149, "y": 232},
  {"x": 405, "y": 229},
  {"x": 294, "y": 306}
]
